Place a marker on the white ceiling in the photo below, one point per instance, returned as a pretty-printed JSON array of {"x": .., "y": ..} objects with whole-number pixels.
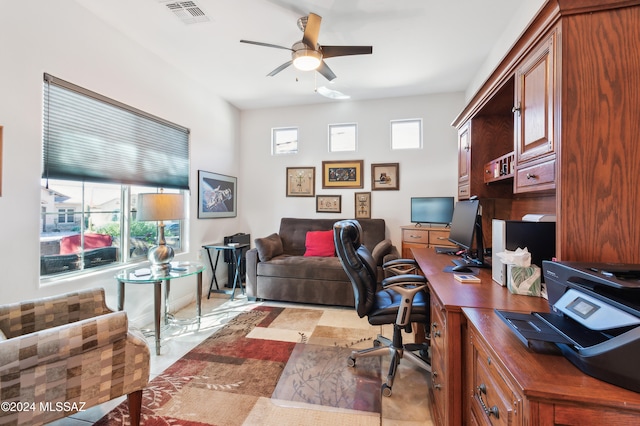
[{"x": 419, "y": 46}]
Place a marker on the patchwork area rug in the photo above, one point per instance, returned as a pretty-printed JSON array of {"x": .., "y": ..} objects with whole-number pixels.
[{"x": 259, "y": 362}]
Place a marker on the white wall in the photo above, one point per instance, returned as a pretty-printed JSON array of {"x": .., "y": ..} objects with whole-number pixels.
[
  {"x": 431, "y": 171},
  {"x": 63, "y": 39},
  {"x": 527, "y": 11}
]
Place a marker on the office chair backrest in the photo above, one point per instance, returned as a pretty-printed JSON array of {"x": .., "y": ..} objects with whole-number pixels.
[{"x": 357, "y": 263}]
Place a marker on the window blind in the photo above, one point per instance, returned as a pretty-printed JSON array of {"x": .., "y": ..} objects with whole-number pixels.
[{"x": 89, "y": 137}]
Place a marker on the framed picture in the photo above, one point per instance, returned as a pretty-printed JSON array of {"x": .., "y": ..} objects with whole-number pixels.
[
  {"x": 385, "y": 176},
  {"x": 342, "y": 174},
  {"x": 301, "y": 181},
  {"x": 363, "y": 205},
  {"x": 217, "y": 195},
  {"x": 329, "y": 203},
  {"x": 343, "y": 137}
]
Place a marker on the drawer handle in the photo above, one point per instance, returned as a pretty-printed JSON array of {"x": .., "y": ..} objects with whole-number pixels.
[
  {"x": 531, "y": 176},
  {"x": 436, "y": 333},
  {"x": 482, "y": 389},
  {"x": 414, "y": 236}
]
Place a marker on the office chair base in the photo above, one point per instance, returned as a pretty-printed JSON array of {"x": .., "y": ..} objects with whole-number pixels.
[{"x": 382, "y": 347}]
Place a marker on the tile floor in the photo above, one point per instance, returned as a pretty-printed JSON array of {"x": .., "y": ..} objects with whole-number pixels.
[{"x": 407, "y": 406}]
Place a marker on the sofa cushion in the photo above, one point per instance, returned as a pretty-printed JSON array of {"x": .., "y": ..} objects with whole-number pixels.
[
  {"x": 269, "y": 247},
  {"x": 311, "y": 268},
  {"x": 320, "y": 243},
  {"x": 380, "y": 250}
]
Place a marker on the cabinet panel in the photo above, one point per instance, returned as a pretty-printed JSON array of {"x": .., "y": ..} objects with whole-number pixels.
[
  {"x": 534, "y": 103},
  {"x": 464, "y": 153}
]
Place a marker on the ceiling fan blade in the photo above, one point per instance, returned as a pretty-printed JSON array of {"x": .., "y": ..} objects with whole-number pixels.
[
  {"x": 311, "y": 31},
  {"x": 333, "y": 51},
  {"x": 259, "y": 43},
  {"x": 326, "y": 71},
  {"x": 280, "y": 68}
]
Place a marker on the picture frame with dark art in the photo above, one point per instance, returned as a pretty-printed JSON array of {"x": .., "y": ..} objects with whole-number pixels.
[
  {"x": 363, "y": 205},
  {"x": 329, "y": 204},
  {"x": 217, "y": 195},
  {"x": 342, "y": 174},
  {"x": 301, "y": 181},
  {"x": 385, "y": 176}
]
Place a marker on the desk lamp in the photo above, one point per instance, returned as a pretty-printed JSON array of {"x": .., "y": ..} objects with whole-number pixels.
[{"x": 160, "y": 207}]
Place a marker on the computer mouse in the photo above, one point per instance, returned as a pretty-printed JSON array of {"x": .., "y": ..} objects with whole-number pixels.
[{"x": 461, "y": 268}]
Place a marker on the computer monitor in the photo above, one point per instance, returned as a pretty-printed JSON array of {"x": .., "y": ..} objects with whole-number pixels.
[{"x": 465, "y": 224}]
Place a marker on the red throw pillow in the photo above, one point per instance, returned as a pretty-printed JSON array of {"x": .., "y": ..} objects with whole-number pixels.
[{"x": 320, "y": 243}]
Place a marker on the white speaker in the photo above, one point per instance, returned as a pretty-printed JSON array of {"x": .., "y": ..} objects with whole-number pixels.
[{"x": 498, "y": 243}]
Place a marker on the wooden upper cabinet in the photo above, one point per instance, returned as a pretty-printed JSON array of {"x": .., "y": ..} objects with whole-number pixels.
[
  {"x": 534, "y": 103},
  {"x": 464, "y": 161}
]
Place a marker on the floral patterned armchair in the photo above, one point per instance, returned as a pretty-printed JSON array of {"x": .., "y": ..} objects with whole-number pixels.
[{"x": 63, "y": 354}]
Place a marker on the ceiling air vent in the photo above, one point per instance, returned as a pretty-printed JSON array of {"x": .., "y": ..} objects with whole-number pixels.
[{"x": 187, "y": 11}]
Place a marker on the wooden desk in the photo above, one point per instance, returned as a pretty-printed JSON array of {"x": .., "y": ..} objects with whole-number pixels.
[
  {"x": 471, "y": 346},
  {"x": 532, "y": 388},
  {"x": 448, "y": 297}
]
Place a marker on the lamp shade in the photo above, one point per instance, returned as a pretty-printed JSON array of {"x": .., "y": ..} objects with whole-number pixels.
[{"x": 157, "y": 207}]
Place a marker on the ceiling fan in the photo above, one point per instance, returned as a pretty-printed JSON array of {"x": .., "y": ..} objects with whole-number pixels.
[{"x": 307, "y": 54}]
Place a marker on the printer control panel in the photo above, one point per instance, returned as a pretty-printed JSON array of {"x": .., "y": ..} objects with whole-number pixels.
[{"x": 593, "y": 313}]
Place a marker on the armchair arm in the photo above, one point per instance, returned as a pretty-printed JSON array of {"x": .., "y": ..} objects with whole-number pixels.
[
  {"x": 50, "y": 345},
  {"x": 251, "y": 264},
  {"x": 26, "y": 317}
]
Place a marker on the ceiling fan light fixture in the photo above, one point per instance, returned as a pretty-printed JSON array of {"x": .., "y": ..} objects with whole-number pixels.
[{"x": 306, "y": 59}]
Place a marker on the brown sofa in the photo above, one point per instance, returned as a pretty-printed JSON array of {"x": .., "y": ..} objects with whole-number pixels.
[{"x": 278, "y": 270}]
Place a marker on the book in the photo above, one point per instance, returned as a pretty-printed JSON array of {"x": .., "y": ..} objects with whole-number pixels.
[{"x": 466, "y": 278}]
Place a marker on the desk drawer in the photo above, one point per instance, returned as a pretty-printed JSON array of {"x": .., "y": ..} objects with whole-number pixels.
[
  {"x": 494, "y": 401},
  {"x": 440, "y": 238},
  {"x": 438, "y": 325},
  {"x": 415, "y": 236}
]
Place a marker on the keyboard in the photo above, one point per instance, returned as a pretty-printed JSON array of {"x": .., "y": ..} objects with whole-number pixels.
[
  {"x": 446, "y": 250},
  {"x": 467, "y": 262},
  {"x": 462, "y": 262}
]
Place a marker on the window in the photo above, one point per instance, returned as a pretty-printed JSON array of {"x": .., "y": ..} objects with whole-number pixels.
[
  {"x": 284, "y": 140},
  {"x": 89, "y": 234},
  {"x": 98, "y": 155},
  {"x": 406, "y": 134},
  {"x": 66, "y": 215},
  {"x": 343, "y": 137}
]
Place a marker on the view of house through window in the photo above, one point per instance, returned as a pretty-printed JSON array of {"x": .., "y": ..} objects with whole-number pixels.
[{"x": 82, "y": 226}]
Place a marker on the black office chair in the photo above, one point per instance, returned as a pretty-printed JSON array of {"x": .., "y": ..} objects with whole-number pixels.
[{"x": 403, "y": 300}]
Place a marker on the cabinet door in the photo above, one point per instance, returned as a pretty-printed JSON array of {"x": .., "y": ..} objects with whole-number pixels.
[
  {"x": 464, "y": 160},
  {"x": 534, "y": 103}
]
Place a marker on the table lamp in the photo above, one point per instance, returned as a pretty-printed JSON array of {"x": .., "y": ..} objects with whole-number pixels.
[{"x": 160, "y": 207}]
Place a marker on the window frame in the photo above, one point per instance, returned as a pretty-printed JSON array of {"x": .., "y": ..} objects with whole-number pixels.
[
  {"x": 125, "y": 245},
  {"x": 395, "y": 128},
  {"x": 281, "y": 132}
]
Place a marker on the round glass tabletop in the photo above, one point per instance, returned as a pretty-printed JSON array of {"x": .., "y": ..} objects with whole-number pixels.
[{"x": 144, "y": 275}]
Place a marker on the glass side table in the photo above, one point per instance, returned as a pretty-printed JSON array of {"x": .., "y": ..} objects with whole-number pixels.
[{"x": 142, "y": 275}]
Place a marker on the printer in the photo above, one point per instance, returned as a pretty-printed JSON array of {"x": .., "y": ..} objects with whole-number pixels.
[{"x": 594, "y": 319}]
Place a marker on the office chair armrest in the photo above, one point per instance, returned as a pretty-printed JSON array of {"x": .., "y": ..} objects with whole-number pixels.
[
  {"x": 402, "y": 280},
  {"x": 401, "y": 266}
]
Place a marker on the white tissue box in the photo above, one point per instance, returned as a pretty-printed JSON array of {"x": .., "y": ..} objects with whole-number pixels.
[{"x": 524, "y": 280}]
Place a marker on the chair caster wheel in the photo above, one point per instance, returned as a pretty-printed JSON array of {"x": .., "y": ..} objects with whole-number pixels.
[
  {"x": 386, "y": 390},
  {"x": 377, "y": 343},
  {"x": 351, "y": 362}
]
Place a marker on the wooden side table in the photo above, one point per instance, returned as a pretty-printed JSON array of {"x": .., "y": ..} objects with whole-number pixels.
[{"x": 236, "y": 253}]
